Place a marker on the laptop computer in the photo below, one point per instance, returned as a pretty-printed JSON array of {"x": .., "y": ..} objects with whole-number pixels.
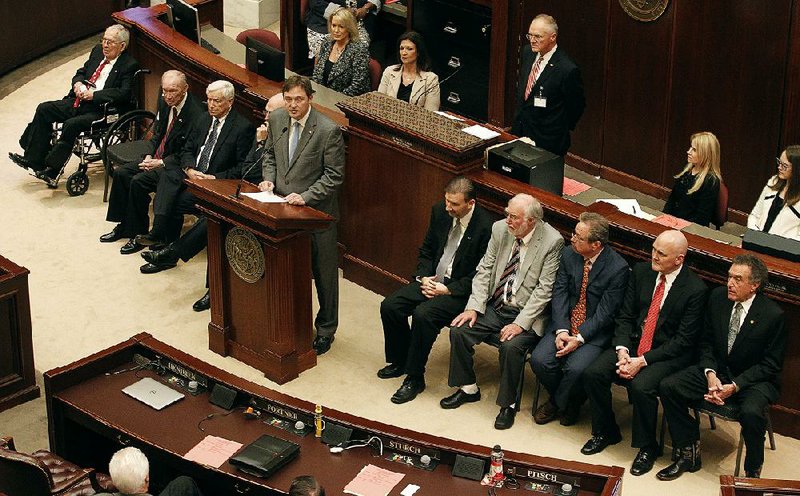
[{"x": 153, "y": 393}]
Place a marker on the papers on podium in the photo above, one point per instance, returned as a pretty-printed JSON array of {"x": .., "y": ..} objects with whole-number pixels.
[{"x": 265, "y": 197}]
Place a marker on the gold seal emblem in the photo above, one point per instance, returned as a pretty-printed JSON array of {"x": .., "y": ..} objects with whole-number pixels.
[
  {"x": 245, "y": 254},
  {"x": 644, "y": 10}
]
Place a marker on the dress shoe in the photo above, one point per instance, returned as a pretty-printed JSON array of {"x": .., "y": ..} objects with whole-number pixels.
[
  {"x": 114, "y": 235},
  {"x": 130, "y": 247},
  {"x": 148, "y": 239},
  {"x": 570, "y": 415},
  {"x": 150, "y": 268},
  {"x": 20, "y": 160},
  {"x": 391, "y": 371},
  {"x": 49, "y": 176},
  {"x": 203, "y": 303},
  {"x": 753, "y": 474},
  {"x": 545, "y": 413},
  {"x": 599, "y": 442},
  {"x": 322, "y": 344},
  {"x": 458, "y": 398},
  {"x": 644, "y": 461},
  {"x": 505, "y": 419},
  {"x": 411, "y": 387},
  {"x": 164, "y": 256},
  {"x": 688, "y": 461}
]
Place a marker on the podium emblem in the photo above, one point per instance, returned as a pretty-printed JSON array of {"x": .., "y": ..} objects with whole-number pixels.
[
  {"x": 644, "y": 10},
  {"x": 245, "y": 254}
]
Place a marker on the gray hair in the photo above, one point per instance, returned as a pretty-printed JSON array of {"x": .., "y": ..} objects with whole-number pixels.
[
  {"x": 533, "y": 209},
  {"x": 225, "y": 87},
  {"x": 121, "y": 32},
  {"x": 174, "y": 74},
  {"x": 461, "y": 184},
  {"x": 549, "y": 20},
  {"x": 129, "y": 470},
  {"x": 758, "y": 269},
  {"x": 598, "y": 227}
]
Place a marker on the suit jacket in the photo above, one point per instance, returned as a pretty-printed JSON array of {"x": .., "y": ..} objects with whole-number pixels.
[
  {"x": 230, "y": 150},
  {"x": 608, "y": 279},
  {"x": 424, "y": 91},
  {"x": 757, "y": 353},
  {"x": 560, "y": 83},
  {"x": 537, "y": 271},
  {"x": 468, "y": 254},
  {"x": 699, "y": 207},
  {"x": 119, "y": 84},
  {"x": 349, "y": 74},
  {"x": 192, "y": 111},
  {"x": 317, "y": 170},
  {"x": 679, "y": 320},
  {"x": 787, "y": 223}
]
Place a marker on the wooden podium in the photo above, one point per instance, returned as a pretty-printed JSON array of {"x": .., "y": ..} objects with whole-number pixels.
[{"x": 259, "y": 267}]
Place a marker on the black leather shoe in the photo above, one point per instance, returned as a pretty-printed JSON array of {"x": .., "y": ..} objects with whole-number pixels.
[
  {"x": 391, "y": 371},
  {"x": 49, "y": 176},
  {"x": 598, "y": 443},
  {"x": 570, "y": 415},
  {"x": 411, "y": 387},
  {"x": 203, "y": 303},
  {"x": 130, "y": 247},
  {"x": 644, "y": 461},
  {"x": 150, "y": 268},
  {"x": 688, "y": 461},
  {"x": 322, "y": 344},
  {"x": 160, "y": 257},
  {"x": 458, "y": 398},
  {"x": 505, "y": 419},
  {"x": 148, "y": 239},
  {"x": 20, "y": 160},
  {"x": 114, "y": 235},
  {"x": 753, "y": 474}
]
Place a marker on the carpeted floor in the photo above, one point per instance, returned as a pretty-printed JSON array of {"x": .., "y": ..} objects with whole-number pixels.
[{"x": 85, "y": 296}]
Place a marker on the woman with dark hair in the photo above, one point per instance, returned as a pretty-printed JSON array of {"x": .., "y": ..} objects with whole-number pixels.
[
  {"x": 695, "y": 193},
  {"x": 343, "y": 60},
  {"x": 410, "y": 80},
  {"x": 777, "y": 210}
]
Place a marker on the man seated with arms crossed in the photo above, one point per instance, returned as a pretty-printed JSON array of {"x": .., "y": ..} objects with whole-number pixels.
[
  {"x": 107, "y": 77},
  {"x": 130, "y": 473},
  {"x": 129, "y": 201},
  {"x": 655, "y": 336},
  {"x": 457, "y": 236},
  {"x": 308, "y": 168},
  {"x": 587, "y": 295},
  {"x": 741, "y": 354},
  {"x": 510, "y": 302},
  {"x": 218, "y": 144}
]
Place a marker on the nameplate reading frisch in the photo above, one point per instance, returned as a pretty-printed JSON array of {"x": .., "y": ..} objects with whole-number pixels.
[
  {"x": 413, "y": 449},
  {"x": 541, "y": 475}
]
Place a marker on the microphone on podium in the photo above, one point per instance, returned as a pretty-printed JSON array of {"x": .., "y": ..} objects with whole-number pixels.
[{"x": 257, "y": 161}]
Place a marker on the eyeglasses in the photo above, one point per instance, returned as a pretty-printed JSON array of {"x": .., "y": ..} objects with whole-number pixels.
[
  {"x": 537, "y": 37},
  {"x": 106, "y": 41},
  {"x": 579, "y": 237},
  {"x": 784, "y": 166}
]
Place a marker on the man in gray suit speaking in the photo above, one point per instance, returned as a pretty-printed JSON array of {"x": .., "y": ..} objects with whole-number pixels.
[{"x": 305, "y": 163}]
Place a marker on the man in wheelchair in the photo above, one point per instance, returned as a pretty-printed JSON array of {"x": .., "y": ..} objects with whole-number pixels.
[{"x": 105, "y": 78}]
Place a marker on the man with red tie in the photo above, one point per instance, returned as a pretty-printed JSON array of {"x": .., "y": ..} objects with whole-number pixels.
[
  {"x": 550, "y": 97},
  {"x": 654, "y": 337},
  {"x": 107, "y": 77}
]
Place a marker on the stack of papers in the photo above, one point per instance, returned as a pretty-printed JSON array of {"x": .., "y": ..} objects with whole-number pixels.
[{"x": 373, "y": 481}]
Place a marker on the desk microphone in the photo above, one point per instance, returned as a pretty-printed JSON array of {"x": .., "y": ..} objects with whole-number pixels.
[
  {"x": 438, "y": 85},
  {"x": 258, "y": 160}
]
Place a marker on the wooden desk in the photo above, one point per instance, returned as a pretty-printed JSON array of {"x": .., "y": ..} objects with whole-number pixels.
[
  {"x": 90, "y": 418},
  {"x": 737, "y": 486}
]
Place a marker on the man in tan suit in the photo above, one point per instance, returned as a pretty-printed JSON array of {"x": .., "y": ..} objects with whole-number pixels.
[{"x": 509, "y": 304}]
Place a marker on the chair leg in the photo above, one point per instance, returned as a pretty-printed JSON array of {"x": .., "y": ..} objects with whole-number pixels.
[
  {"x": 769, "y": 432},
  {"x": 520, "y": 387},
  {"x": 105, "y": 188},
  {"x": 536, "y": 396},
  {"x": 662, "y": 434},
  {"x": 739, "y": 454},
  {"x": 713, "y": 422}
]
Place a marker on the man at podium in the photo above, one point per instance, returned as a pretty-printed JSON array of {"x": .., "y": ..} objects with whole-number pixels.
[{"x": 305, "y": 163}]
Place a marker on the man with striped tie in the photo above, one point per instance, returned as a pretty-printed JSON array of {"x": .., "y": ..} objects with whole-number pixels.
[{"x": 509, "y": 304}]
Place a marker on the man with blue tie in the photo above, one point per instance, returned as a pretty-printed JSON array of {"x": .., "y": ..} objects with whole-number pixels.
[{"x": 587, "y": 295}]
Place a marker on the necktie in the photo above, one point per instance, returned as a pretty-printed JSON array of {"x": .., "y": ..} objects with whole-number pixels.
[
  {"x": 92, "y": 79},
  {"x": 205, "y": 157},
  {"x": 533, "y": 76},
  {"x": 293, "y": 140},
  {"x": 733, "y": 327},
  {"x": 579, "y": 312},
  {"x": 173, "y": 117},
  {"x": 449, "y": 251},
  {"x": 504, "y": 290},
  {"x": 649, "y": 328}
]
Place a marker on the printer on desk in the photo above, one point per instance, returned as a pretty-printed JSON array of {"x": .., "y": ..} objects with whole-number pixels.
[{"x": 521, "y": 160}]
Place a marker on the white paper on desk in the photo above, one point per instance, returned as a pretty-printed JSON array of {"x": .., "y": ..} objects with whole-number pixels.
[
  {"x": 373, "y": 481},
  {"x": 481, "y": 132},
  {"x": 628, "y": 206},
  {"x": 213, "y": 451},
  {"x": 265, "y": 197},
  {"x": 449, "y": 116}
]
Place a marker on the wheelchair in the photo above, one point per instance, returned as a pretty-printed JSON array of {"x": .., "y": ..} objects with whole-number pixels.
[{"x": 118, "y": 124}]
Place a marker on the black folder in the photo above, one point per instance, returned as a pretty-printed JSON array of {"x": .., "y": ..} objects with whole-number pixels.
[{"x": 264, "y": 456}]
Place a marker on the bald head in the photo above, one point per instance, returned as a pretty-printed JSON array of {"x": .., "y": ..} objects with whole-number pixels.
[
  {"x": 669, "y": 251},
  {"x": 173, "y": 87}
]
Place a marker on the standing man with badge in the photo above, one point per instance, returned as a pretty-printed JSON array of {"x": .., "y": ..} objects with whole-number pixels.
[{"x": 550, "y": 97}]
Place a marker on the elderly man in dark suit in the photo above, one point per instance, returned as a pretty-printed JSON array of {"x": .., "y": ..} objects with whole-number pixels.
[
  {"x": 509, "y": 304},
  {"x": 215, "y": 149},
  {"x": 587, "y": 295},
  {"x": 457, "y": 236},
  {"x": 308, "y": 168},
  {"x": 550, "y": 91},
  {"x": 655, "y": 337},
  {"x": 107, "y": 77},
  {"x": 741, "y": 354},
  {"x": 129, "y": 201}
]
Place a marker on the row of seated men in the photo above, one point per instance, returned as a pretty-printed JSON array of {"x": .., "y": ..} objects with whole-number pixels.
[{"x": 589, "y": 321}]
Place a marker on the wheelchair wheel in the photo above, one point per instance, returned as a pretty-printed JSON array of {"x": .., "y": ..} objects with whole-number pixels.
[
  {"x": 77, "y": 183},
  {"x": 132, "y": 126}
]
